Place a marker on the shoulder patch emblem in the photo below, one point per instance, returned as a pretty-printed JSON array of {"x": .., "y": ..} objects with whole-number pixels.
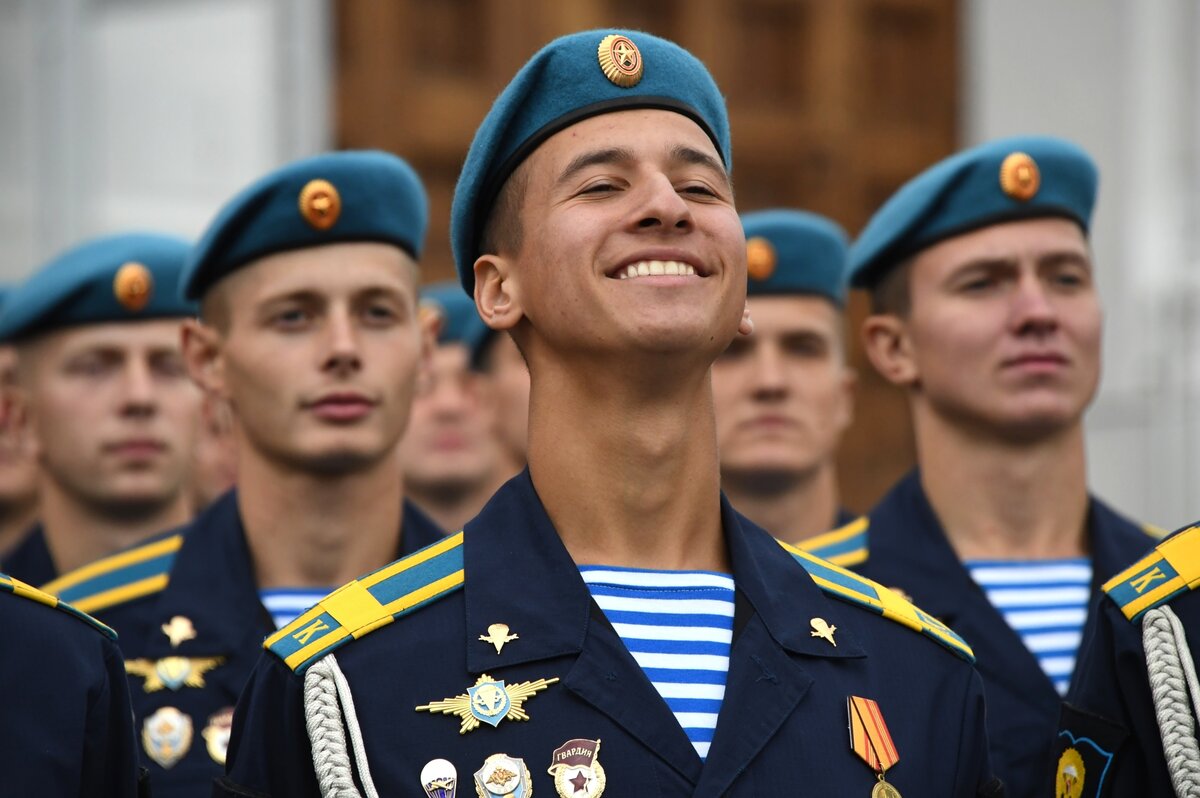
[
  {"x": 119, "y": 578},
  {"x": 856, "y": 589},
  {"x": 369, "y": 602},
  {"x": 845, "y": 546},
  {"x": 19, "y": 588},
  {"x": 1172, "y": 568}
]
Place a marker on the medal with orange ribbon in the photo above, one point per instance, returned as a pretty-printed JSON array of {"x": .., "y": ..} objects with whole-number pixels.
[{"x": 871, "y": 740}]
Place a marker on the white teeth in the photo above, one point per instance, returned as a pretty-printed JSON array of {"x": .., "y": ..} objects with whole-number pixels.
[{"x": 646, "y": 268}]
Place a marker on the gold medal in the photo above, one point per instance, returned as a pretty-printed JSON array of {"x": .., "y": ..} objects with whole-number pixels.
[{"x": 884, "y": 790}]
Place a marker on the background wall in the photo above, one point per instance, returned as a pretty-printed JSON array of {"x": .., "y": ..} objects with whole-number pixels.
[
  {"x": 1123, "y": 80},
  {"x": 149, "y": 113}
]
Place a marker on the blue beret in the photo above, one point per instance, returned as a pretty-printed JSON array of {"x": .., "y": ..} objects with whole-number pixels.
[
  {"x": 460, "y": 319},
  {"x": 1016, "y": 178},
  {"x": 571, "y": 79},
  {"x": 795, "y": 252},
  {"x": 338, "y": 197},
  {"x": 123, "y": 277}
]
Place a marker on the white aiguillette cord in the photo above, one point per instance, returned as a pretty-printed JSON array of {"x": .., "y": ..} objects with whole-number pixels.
[{"x": 328, "y": 711}]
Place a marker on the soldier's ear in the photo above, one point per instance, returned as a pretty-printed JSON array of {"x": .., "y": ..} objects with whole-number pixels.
[
  {"x": 204, "y": 356},
  {"x": 497, "y": 292},
  {"x": 888, "y": 346}
]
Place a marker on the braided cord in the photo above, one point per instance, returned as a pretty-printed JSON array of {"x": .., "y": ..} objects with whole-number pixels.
[
  {"x": 328, "y": 711},
  {"x": 1176, "y": 693}
]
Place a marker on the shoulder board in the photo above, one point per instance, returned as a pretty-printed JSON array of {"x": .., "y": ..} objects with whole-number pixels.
[
  {"x": 844, "y": 546},
  {"x": 1173, "y": 567},
  {"x": 19, "y": 588},
  {"x": 119, "y": 578},
  {"x": 855, "y": 589},
  {"x": 1155, "y": 531},
  {"x": 369, "y": 602}
]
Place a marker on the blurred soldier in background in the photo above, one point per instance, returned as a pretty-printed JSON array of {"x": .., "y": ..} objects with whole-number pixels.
[
  {"x": 18, "y": 468},
  {"x": 784, "y": 394},
  {"x": 452, "y": 460},
  {"x": 507, "y": 380},
  {"x": 309, "y": 331},
  {"x": 214, "y": 464},
  {"x": 985, "y": 310},
  {"x": 104, "y": 395}
]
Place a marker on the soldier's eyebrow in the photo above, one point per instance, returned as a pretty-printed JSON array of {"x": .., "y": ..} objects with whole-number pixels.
[{"x": 609, "y": 155}]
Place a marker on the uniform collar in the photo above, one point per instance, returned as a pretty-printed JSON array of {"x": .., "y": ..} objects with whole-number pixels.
[{"x": 519, "y": 573}]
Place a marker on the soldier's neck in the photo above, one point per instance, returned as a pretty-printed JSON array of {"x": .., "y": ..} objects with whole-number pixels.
[
  {"x": 791, "y": 507},
  {"x": 16, "y": 518},
  {"x": 628, "y": 473},
  {"x": 79, "y": 531},
  {"x": 318, "y": 530},
  {"x": 1004, "y": 499}
]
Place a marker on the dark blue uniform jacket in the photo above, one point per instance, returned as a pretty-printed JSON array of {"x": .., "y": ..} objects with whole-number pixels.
[
  {"x": 30, "y": 560},
  {"x": 210, "y": 582},
  {"x": 68, "y": 731},
  {"x": 902, "y": 545},
  {"x": 783, "y": 724},
  {"x": 1109, "y": 730}
]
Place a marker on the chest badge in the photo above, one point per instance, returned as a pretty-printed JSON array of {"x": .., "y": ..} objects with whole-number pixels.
[
  {"x": 172, "y": 672},
  {"x": 488, "y": 701},
  {"x": 439, "y": 779},
  {"x": 824, "y": 630},
  {"x": 498, "y": 635},
  {"x": 216, "y": 734},
  {"x": 178, "y": 630},
  {"x": 576, "y": 769},
  {"x": 503, "y": 776},
  {"x": 871, "y": 740},
  {"x": 167, "y": 736}
]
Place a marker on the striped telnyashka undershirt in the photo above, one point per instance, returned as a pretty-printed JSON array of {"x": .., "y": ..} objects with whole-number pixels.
[
  {"x": 285, "y": 604},
  {"x": 678, "y": 625},
  {"x": 1046, "y": 602}
]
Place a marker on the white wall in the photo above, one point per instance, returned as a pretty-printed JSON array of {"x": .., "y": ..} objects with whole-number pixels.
[
  {"x": 1123, "y": 80},
  {"x": 143, "y": 114}
]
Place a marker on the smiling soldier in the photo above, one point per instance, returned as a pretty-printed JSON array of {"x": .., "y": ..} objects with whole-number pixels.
[
  {"x": 609, "y": 593},
  {"x": 309, "y": 331}
]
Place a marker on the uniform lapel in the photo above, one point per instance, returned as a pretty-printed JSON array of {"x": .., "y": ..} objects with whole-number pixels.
[
  {"x": 767, "y": 682},
  {"x": 519, "y": 573},
  {"x": 910, "y": 551}
]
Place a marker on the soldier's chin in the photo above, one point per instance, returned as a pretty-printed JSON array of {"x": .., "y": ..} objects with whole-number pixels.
[{"x": 341, "y": 462}]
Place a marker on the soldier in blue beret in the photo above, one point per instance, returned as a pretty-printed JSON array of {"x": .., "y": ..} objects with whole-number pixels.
[
  {"x": 452, "y": 460},
  {"x": 985, "y": 310},
  {"x": 18, "y": 468},
  {"x": 585, "y": 632},
  {"x": 309, "y": 330},
  {"x": 1128, "y": 726},
  {"x": 784, "y": 395},
  {"x": 68, "y": 728},
  {"x": 102, "y": 392}
]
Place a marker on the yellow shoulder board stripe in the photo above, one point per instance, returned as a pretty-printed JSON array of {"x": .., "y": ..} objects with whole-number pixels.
[
  {"x": 119, "y": 578},
  {"x": 845, "y": 546},
  {"x": 1155, "y": 531},
  {"x": 1172, "y": 568},
  {"x": 851, "y": 587},
  {"x": 19, "y": 588},
  {"x": 369, "y": 602}
]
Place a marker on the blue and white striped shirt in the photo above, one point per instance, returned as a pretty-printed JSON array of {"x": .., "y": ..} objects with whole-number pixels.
[
  {"x": 285, "y": 604},
  {"x": 1046, "y": 602},
  {"x": 678, "y": 625}
]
